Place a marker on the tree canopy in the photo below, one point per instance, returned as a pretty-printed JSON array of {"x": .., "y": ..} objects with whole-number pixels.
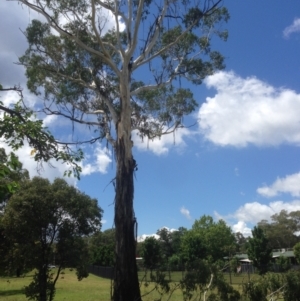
[
  {"x": 258, "y": 250},
  {"x": 282, "y": 230},
  {"x": 102, "y": 248},
  {"x": 152, "y": 253},
  {"x": 217, "y": 237},
  {"x": 43, "y": 221}
]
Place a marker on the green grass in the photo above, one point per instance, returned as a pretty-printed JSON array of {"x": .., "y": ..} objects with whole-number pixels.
[{"x": 67, "y": 288}]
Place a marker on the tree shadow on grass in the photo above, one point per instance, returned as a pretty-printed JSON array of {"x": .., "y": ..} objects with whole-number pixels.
[{"x": 11, "y": 292}]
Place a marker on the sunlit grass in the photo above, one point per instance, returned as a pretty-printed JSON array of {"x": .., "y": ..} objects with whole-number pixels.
[{"x": 67, "y": 288}]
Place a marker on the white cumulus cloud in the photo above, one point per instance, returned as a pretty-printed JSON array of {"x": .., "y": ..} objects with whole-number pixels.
[
  {"x": 242, "y": 227},
  {"x": 185, "y": 212},
  {"x": 249, "y": 111},
  {"x": 295, "y": 27},
  {"x": 142, "y": 237},
  {"x": 253, "y": 212},
  {"x": 101, "y": 159},
  {"x": 162, "y": 145},
  {"x": 249, "y": 214},
  {"x": 290, "y": 184},
  {"x": 51, "y": 170}
]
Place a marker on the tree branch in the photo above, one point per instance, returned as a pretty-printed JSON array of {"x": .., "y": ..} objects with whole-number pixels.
[
  {"x": 118, "y": 29},
  {"x": 96, "y": 89},
  {"x": 43, "y": 141},
  {"x": 130, "y": 17},
  {"x": 95, "y": 29},
  {"x": 208, "y": 286},
  {"x": 52, "y": 23},
  {"x": 152, "y": 87},
  {"x": 141, "y": 59},
  {"x": 136, "y": 28},
  {"x": 153, "y": 38},
  {"x": 58, "y": 113}
]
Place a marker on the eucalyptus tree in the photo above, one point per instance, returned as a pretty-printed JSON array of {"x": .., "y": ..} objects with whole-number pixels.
[{"x": 93, "y": 75}]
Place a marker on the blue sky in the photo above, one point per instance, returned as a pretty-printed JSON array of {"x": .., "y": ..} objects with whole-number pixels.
[{"x": 240, "y": 162}]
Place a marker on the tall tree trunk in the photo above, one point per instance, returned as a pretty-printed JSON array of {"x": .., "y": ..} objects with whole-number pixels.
[{"x": 126, "y": 284}]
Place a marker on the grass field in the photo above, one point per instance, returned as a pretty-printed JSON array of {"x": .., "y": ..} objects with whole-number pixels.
[
  {"x": 92, "y": 288},
  {"x": 67, "y": 288}
]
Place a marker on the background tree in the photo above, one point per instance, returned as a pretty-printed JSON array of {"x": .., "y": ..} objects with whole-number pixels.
[
  {"x": 217, "y": 237},
  {"x": 170, "y": 241},
  {"x": 193, "y": 247},
  {"x": 102, "y": 248},
  {"x": 175, "y": 260},
  {"x": 165, "y": 240},
  {"x": 11, "y": 175},
  {"x": 176, "y": 239},
  {"x": 281, "y": 231},
  {"x": 258, "y": 250},
  {"x": 295, "y": 217},
  {"x": 297, "y": 251},
  {"x": 241, "y": 242},
  {"x": 152, "y": 253},
  {"x": 42, "y": 214},
  {"x": 93, "y": 78}
]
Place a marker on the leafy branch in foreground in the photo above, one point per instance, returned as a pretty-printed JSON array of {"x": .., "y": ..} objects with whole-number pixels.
[
  {"x": 11, "y": 173},
  {"x": 18, "y": 125}
]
